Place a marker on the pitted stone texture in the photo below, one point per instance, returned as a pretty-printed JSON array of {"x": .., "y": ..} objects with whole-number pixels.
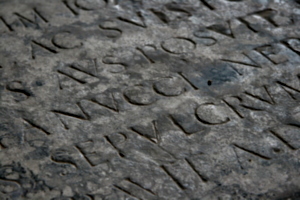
[{"x": 160, "y": 99}]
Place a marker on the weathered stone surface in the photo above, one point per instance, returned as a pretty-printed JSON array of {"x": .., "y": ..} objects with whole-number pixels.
[{"x": 158, "y": 99}]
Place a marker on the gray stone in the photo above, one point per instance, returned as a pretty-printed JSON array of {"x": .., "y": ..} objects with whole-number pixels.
[{"x": 158, "y": 99}]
